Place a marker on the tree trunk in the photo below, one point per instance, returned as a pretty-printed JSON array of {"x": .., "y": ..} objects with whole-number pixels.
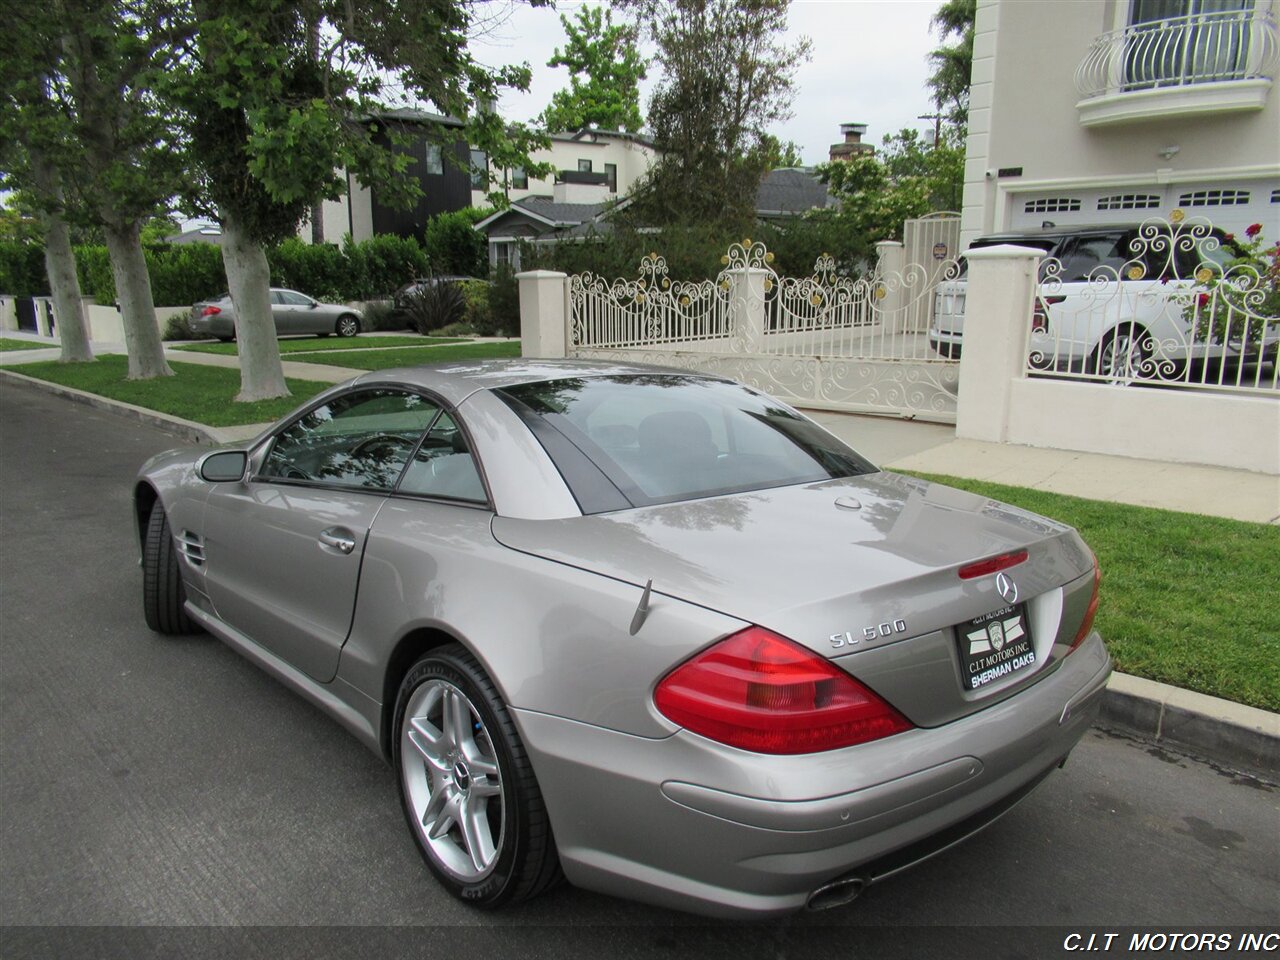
[
  {"x": 137, "y": 309},
  {"x": 317, "y": 222},
  {"x": 60, "y": 264},
  {"x": 68, "y": 307},
  {"x": 249, "y": 277}
]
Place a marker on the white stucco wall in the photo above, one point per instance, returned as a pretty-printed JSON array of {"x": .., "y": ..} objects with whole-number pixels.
[
  {"x": 1023, "y": 113},
  {"x": 632, "y": 159}
]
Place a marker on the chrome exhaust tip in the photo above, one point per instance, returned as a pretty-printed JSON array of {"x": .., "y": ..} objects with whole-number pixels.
[{"x": 835, "y": 894}]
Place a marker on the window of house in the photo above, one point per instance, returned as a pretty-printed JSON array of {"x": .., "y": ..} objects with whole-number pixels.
[
  {"x": 584, "y": 166},
  {"x": 1213, "y": 198},
  {"x": 1052, "y": 205},
  {"x": 433, "y": 159},
  {"x": 361, "y": 439},
  {"x": 611, "y": 171},
  {"x": 479, "y": 170},
  {"x": 520, "y": 179},
  {"x": 1275, "y": 196},
  {"x": 1130, "y": 201}
]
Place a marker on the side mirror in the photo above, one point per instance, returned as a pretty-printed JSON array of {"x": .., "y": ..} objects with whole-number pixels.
[
  {"x": 223, "y": 466},
  {"x": 312, "y": 305}
]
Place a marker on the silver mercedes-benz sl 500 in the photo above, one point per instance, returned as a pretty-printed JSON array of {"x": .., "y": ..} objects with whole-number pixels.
[{"x": 646, "y": 629}]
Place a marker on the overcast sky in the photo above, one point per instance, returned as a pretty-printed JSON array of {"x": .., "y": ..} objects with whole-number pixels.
[{"x": 869, "y": 66}]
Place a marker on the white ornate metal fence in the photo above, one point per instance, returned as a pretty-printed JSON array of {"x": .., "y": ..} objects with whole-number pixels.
[
  {"x": 1189, "y": 307},
  {"x": 824, "y": 340}
]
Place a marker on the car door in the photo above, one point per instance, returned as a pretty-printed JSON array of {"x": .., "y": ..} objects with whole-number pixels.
[
  {"x": 283, "y": 549},
  {"x": 291, "y": 311}
]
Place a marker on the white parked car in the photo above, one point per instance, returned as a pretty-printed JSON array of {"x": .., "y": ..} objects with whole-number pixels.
[{"x": 1112, "y": 301}]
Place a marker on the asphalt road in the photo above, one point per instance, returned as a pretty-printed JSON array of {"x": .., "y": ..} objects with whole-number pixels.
[{"x": 165, "y": 783}]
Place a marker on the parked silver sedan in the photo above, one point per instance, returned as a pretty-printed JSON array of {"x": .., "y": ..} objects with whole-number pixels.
[
  {"x": 293, "y": 313},
  {"x": 646, "y": 629}
]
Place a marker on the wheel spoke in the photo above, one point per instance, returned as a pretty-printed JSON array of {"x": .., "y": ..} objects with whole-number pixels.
[
  {"x": 476, "y": 832},
  {"x": 485, "y": 788},
  {"x": 429, "y": 741},
  {"x": 482, "y": 766},
  {"x": 434, "y": 805},
  {"x": 457, "y": 721},
  {"x": 448, "y": 816}
]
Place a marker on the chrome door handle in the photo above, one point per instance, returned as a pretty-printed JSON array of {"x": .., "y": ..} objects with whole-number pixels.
[{"x": 338, "y": 538}]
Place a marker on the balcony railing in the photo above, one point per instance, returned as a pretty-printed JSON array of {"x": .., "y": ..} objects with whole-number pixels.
[{"x": 1197, "y": 48}]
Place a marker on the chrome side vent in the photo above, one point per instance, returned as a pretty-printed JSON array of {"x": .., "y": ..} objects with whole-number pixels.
[{"x": 192, "y": 547}]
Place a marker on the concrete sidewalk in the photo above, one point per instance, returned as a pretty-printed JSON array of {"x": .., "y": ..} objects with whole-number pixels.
[{"x": 897, "y": 444}]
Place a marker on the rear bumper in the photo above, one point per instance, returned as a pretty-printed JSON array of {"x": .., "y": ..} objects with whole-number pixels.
[
  {"x": 690, "y": 824},
  {"x": 217, "y": 325}
]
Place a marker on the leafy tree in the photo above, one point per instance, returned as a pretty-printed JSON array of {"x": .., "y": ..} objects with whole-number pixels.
[
  {"x": 269, "y": 123},
  {"x": 36, "y": 151},
  {"x": 906, "y": 178},
  {"x": 778, "y": 155},
  {"x": 605, "y": 69},
  {"x": 953, "y": 62},
  {"x": 727, "y": 77},
  {"x": 453, "y": 244},
  {"x": 18, "y": 224}
]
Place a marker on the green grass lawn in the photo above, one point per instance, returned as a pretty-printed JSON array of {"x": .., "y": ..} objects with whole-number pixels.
[
  {"x": 411, "y": 356},
  {"x": 9, "y": 343},
  {"x": 195, "y": 392},
  {"x": 1186, "y": 599},
  {"x": 316, "y": 344}
]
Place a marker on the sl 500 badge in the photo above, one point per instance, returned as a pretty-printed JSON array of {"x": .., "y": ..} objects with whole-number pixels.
[{"x": 878, "y": 632}]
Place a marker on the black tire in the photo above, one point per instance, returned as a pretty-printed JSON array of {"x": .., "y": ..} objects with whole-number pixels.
[
  {"x": 163, "y": 593},
  {"x": 1129, "y": 343},
  {"x": 524, "y": 862},
  {"x": 348, "y": 325}
]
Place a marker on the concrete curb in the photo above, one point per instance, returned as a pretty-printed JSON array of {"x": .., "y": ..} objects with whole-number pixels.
[
  {"x": 187, "y": 429},
  {"x": 1231, "y": 733}
]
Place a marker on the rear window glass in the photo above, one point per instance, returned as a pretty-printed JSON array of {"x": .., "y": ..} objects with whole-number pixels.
[{"x": 647, "y": 439}]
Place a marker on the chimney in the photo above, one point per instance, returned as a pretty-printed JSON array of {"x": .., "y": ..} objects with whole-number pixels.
[{"x": 852, "y": 145}]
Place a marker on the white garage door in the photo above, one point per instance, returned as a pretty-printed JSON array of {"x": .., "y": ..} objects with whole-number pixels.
[{"x": 1231, "y": 205}]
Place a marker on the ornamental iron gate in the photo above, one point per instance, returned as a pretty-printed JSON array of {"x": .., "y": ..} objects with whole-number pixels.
[{"x": 822, "y": 341}]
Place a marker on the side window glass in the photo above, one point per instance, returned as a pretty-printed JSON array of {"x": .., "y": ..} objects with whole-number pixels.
[
  {"x": 293, "y": 299},
  {"x": 277, "y": 296},
  {"x": 357, "y": 440},
  {"x": 443, "y": 466},
  {"x": 1087, "y": 254}
]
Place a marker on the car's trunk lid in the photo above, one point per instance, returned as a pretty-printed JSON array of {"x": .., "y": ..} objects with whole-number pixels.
[{"x": 823, "y": 563}]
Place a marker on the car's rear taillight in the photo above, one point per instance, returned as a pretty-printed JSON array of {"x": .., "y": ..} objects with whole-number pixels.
[
  {"x": 210, "y": 311},
  {"x": 1040, "y": 314},
  {"x": 1086, "y": 625},
  {"x": 761, "y": 692}
]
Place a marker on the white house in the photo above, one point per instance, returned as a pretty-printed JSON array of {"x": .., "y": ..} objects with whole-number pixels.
[
  {"x": 1106, "y": 111},
  {"x": 623, "y": 158}
]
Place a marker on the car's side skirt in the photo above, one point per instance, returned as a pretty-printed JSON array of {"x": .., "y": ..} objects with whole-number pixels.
[{"x": 355, "y": 711}]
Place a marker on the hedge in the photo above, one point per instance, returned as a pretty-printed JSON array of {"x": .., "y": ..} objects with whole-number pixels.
[
  {"x": 184, "y": 273},
  {"x": 22, "y": 269}
]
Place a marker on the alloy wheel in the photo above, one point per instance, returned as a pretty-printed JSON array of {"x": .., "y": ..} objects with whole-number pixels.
[{"x": 452, "y": 781}]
